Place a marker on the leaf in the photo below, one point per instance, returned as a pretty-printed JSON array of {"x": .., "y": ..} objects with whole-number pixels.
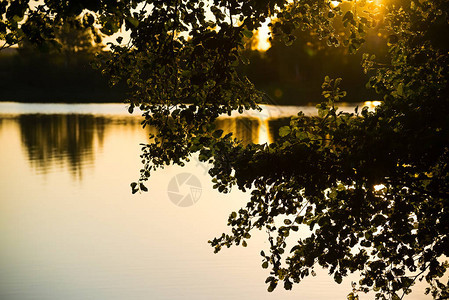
[
  {"x": 299, "y": 219},
  {"x": 301, "y": 135},
  {"x": 348, "y": 18},
  {"x": 287, "y": 222},
  {"x": 134, "y": 187},
  {"x": 186, "y": 73},
  {"x": 247, "y": 33},
  {"x": 323, "y": 112},
  {"x": 338, "y": 278},
  {"x": 272, "y": 286},
  {"x": 337, "y": 82},
  {"x": 284, "y": 131},
  {"x": 217, "y": 133},
  {"x": 392, "y": 39},
  {"x": 400, "y": 90},
  {"x": 88, "y": 19},
  {"x": 133, "y": 21},
  {"x": 287, "y": 285},
  {"x": 143, "y": 187}
]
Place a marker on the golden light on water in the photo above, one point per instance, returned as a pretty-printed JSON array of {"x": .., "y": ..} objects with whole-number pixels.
[
  {"x": 264, "y": 133},
  {"x": 372, "y": 104}
]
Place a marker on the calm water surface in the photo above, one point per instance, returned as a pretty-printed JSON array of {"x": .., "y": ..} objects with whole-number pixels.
[{"x": 70, "y": 228}]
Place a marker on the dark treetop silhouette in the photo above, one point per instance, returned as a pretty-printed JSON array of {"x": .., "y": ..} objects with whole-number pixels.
[{"x": 372, "y": 187}]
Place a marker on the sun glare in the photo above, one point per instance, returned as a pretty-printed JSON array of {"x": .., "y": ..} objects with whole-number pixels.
[
  {"x": 372, "y": 104},
  {"x": 337, "y": 3},
  {"x": 263, "y": 34}
]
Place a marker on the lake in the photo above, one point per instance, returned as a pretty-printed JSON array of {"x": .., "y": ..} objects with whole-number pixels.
[{"x": 71, "y": 229}]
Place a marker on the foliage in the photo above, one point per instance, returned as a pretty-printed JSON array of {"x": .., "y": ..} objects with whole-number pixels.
[
  {"x": 371, "y": 187},
  {"x": 71, "y": 38},
  {"x": 293, "y": 74},
  {"x": 61, "y": 78}
]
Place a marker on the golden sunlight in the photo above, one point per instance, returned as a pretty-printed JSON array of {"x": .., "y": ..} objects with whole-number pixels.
[
  {"x": 372, "y": 104},
  {"x": 263, "y": 34},
  {"x": 335, "y": 3}
]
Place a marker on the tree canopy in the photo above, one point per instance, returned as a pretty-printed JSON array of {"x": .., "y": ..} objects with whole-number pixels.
[{"x": 371, "y": 187}]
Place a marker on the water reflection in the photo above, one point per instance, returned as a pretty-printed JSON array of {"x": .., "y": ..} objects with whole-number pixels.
[
  {"x": 253, "y": 130},
  {"x": 91, "y": 239},
  {"x": 65, "y": 140},
  {"x": 275, "y": 124},
  {"x": 73, "y": 140},
  {"x": 244, "y": 129}
]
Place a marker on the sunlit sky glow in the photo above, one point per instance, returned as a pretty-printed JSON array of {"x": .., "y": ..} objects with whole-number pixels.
[
  {"x": 336, "y": 3},
  {"x": 264, "y": 32}
]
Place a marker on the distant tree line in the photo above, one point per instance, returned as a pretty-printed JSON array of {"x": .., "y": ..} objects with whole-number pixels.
[
  {"x": 57, "y": 72},
  {"x": 288, "y": 75}
]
